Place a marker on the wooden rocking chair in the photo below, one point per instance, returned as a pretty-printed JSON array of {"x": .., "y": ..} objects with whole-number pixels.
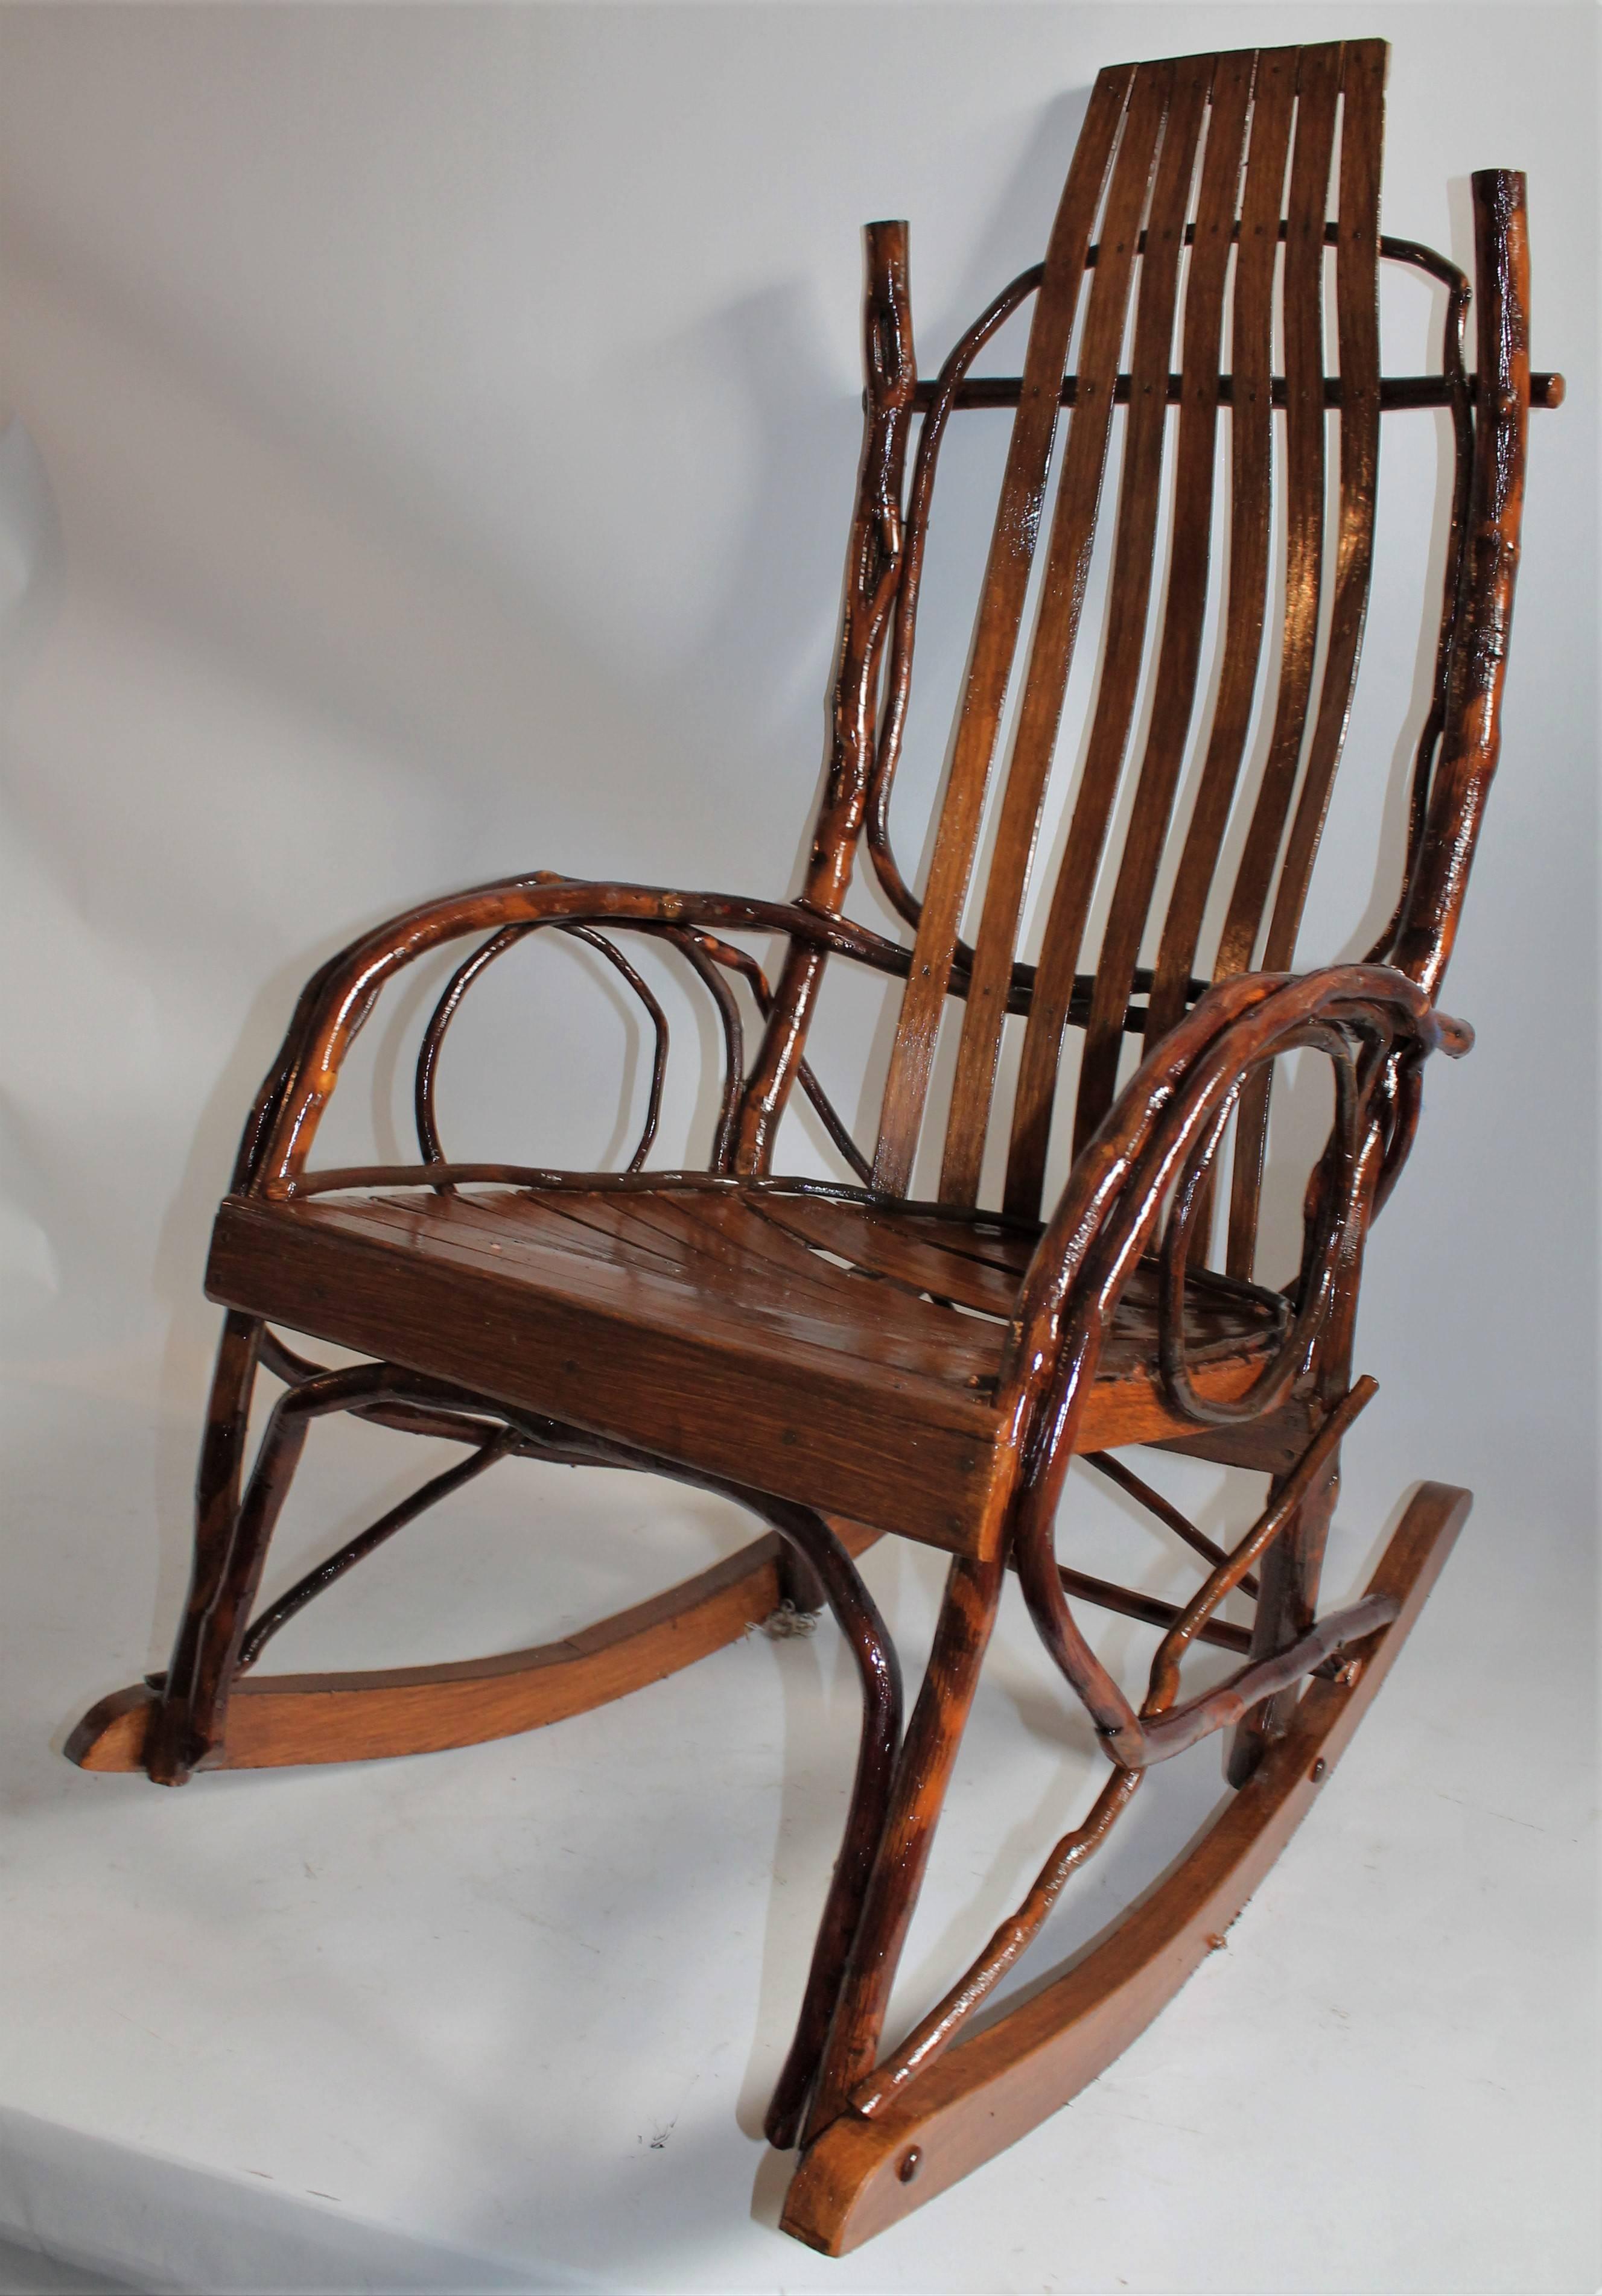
[{"x": 847, "y": 1360}]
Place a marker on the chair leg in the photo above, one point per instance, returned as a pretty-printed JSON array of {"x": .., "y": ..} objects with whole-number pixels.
[
  {"x": 172, "y": 1749},
  {"x": 1287, "y": 1602},
  {"x": 886, "y": 2154},
  {"x": 917, "y": 1795},
  {"x": 811, "y": 1542}
]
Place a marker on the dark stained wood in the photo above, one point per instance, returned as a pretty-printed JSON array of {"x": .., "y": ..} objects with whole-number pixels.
[
  {"x": 1357, "y": 291},
  {"x": 1396, "y": 391},
  {"x": 873, "y": 571},
  {"x": 922, "y": 1775},
  {"x": 575, "y": 1346},
  {"x": 839, "y": 1358},
  {"x": 1471, "y": 743},
  {"x": 1317, "y": 92}
]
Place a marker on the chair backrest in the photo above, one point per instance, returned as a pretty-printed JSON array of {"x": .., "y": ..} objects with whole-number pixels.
[
  {"x": 1223, "y": 212},
  {"x": 1187, "y": 178}
]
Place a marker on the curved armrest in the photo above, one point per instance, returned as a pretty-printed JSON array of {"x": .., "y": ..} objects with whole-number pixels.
[
  {"x": 1161, "y": 1132},
  {"x": 341, "y": 995},
  {"x": 1157, "y": 1143}
]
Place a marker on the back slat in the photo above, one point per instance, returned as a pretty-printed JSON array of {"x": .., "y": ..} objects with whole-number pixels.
[
  {"x": 1000, "y": 612},
  {"x": 1179, "y": 653},
  {"x": 1264, "y": 127},
  {"x": 1051, "y": 656},
  {"x": 1129, "y": 603},
  {"x": 1357, "y": 319},
  {"x": 1251, "y": 465},
  {"x": 1357, "y": 316},
  {"x": 1317, "y": 90}
]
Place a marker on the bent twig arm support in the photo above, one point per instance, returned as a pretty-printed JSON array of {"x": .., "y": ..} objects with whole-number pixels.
[
  {"x": 1155, "y": 1149},
  {"x": 340, "y": 996}
]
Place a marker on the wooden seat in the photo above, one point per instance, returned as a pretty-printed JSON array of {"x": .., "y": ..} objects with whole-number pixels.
[
  {"x": 843, "y": 1357},
  {"x": 859, "y": 1347}
]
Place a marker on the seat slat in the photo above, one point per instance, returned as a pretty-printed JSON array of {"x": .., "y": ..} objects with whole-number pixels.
[
  {"x": 767, "y": 1234},
  {"x": 1002, "y": 598},
  {"x": 882, "y": 1245},
  {"x": 1179, "y": 649},
  {"x": 708, "y": 1250},
  {"x": 1128, "y": 608}
]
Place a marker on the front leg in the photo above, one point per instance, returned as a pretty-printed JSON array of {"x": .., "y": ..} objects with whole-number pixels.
[
  {"x": 1287, "y": 1603},
  {"x": 922, "y": 1774},
  {"x": 173, "y": 1749}
]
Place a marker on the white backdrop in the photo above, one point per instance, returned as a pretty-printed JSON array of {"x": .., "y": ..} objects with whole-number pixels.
[{"x": 431, "y": 446}]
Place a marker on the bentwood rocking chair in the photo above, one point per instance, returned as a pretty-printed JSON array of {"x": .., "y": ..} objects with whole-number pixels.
[{"x": 843, "y": 1358}]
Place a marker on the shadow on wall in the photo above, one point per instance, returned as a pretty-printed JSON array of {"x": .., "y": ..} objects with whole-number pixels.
[{"x": 32, "y": 573}]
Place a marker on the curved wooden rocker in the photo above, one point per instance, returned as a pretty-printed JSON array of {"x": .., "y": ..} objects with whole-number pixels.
[
  {"x": 418, "y": 1709},
  {"x": 847, "y": 1357}
]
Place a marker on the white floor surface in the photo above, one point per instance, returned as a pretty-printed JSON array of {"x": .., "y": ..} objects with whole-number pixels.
[{"x": 508, "y": 2018}]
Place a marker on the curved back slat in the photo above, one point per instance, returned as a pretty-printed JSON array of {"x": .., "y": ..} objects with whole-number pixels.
[
  {"x": 1001, "y": 605},
  {"x": 1189, "y": 178},
  {"x": 1357, "y": 307},
  {"x": 1061, "y": 602},
  {"x": 1262, "y": 199},
  {"x": 1134, "y": 547},
  {"x": 1179, "y": 652}
]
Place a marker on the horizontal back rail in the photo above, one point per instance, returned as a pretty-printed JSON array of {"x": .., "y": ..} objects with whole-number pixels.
[{"x": 1398, "y": 393}]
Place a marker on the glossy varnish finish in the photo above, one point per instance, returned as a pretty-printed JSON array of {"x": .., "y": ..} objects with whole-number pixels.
[{"x": 861, "y": 1355}]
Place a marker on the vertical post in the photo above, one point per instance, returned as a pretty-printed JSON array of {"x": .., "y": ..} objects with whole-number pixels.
[
  {"x": 1287, "y": 1596},
  {"x": 872, "y": 574},
  {"x": 1472, "y": 738},
  {"x": 921, "y": 1775},
  {"x": 173, "y": 1751}
]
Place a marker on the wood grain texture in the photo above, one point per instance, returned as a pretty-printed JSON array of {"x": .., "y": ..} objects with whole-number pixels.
[
  {"x": 1123, "y": 649},
  {"x": 1146, "y": 92},
  {"x": 353, "y": 1717},
  {"x": 1251, "y": 478},
  {"x": 1057, "y": 631},
  {"x": 1357, "y": 295},
  {"x": 1179, "y": 647},
  {"x": 863, "y": 1397}
]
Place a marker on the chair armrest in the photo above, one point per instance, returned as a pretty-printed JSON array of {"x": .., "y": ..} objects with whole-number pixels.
[
  {"x": 339, "y": 996},
  {"x": 1155, "y": 1147},
  {"x": 1158, "y": 1141}
]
